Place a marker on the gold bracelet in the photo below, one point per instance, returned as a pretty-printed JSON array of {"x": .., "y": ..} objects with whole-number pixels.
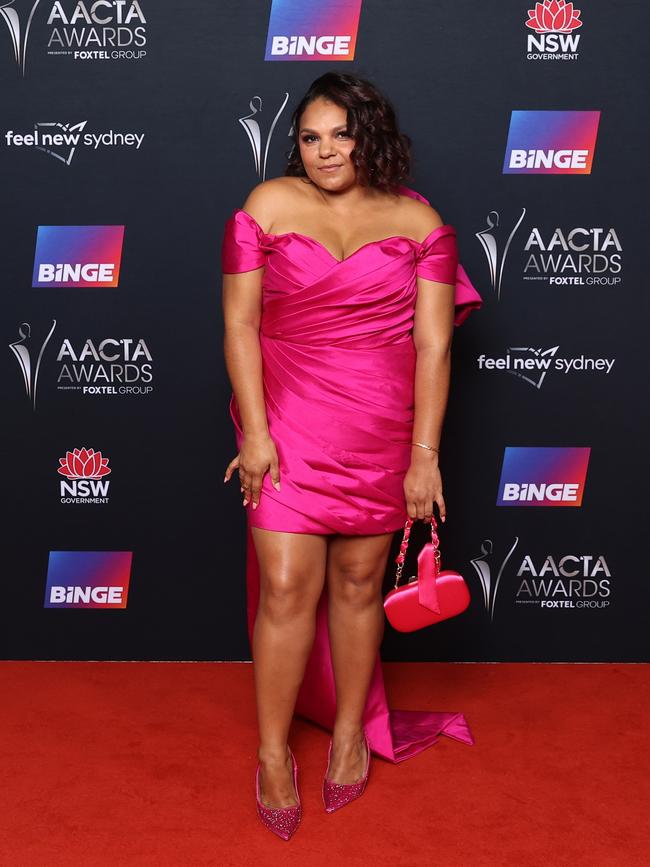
[{"x": 425, "y": 446}]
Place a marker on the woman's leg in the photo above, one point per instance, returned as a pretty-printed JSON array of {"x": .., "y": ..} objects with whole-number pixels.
[
  {"x": 292, "y": 574},
  {"x": 356, "y": 566}
]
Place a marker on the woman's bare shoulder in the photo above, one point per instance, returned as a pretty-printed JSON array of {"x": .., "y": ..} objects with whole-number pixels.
[
  {"x": 421, "y": 218},
  {"x": 270, "y": 198}
]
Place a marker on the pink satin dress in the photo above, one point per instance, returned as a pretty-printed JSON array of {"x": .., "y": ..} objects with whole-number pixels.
[{"x": 338, "y": 373}]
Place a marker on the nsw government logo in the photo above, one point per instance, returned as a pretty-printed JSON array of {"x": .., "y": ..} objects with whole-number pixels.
[
  {"x": 313, "y": 31},
  {"x": 551, "y": 142},
  {"x": 543, "y": 476},
  {"x": 554, "y": 24},
  {"x": 88, "y": 579},
  {"x": 78, "y": 256},
  {"x": 84, "y": 474}
]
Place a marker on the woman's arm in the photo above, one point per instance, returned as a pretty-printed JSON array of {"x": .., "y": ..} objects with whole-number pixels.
[
  {"x": 241, "y": 297},
  {"x": 433, "y": 331},
  {"x": 242, "y": 306}
]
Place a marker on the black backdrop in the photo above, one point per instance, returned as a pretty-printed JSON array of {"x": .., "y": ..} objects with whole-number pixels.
[{"x": 455, "y": 71}]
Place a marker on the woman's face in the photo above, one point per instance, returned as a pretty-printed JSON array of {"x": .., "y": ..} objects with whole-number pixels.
[{"x": 325, "y": 146}]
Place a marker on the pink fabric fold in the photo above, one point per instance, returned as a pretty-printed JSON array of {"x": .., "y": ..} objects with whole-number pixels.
[
  {"x": 338, "y": 368},
  {"x": 466, "y": 296}
]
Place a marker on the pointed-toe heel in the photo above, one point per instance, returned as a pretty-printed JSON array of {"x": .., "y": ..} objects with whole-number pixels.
[
  {"x": 337, "y": 795},
  {"x": 283, "y": 821}
]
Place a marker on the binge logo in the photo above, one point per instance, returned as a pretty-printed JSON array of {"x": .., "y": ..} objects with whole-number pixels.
[
  {"x": 543, "y": 476},
  {"x": 313, "y": 30},
  {"x": 78, "y": 255},
  {"x": 551, "y": 142},
  {"x": 88, "y": 579}
]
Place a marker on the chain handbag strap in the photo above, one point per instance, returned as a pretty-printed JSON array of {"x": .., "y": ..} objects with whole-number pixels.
[{"x": 401, "y": 557}]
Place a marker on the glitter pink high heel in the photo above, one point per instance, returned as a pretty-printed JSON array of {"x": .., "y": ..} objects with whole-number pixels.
[
  {"x": 283, "y": 821},
  {"x": 336, "y": 795}
]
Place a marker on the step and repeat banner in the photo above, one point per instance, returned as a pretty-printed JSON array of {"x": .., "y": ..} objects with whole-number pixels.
[{"x": 129, "y": 131}]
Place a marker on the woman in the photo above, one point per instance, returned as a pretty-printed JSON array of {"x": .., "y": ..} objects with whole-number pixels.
[{"x": 340, "y": 383}]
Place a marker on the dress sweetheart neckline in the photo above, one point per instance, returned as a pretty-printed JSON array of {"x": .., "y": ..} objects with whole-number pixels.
[{"x": 354, "y": 252}]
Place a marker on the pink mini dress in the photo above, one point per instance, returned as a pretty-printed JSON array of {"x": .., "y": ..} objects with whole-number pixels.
[
  {"x": 338, "y": 375},
  {"x": 338, "y": 371}
]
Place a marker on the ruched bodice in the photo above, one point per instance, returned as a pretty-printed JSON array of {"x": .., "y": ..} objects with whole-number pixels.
[
  {"x": 366, "y": 299},
  {"x": 339, "y": 367},
  {"x": 377, "y": 278}
]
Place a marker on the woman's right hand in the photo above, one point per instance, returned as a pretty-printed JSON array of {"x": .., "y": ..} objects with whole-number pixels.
[{"x": 256, "y": 455}]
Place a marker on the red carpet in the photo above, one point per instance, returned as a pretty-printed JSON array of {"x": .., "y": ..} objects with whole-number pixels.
[{"x": 129, "y": 763}]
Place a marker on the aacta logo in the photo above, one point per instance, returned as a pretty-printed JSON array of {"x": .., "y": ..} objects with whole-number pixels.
[
  {"x": 17, "y": 15},
  {"x": 547, "y": 476},
  {"x": 553, "y": 22},
  {"x": 84, "y": 471},
  {"x": 313, "y": 31},
  {"x": 569, "y": 581},
  {"x": 88, "y": 579},
  {"x": 104, "y": 30},
  {"x": 566, "y": 581},
  {"x": 575, "y": 256}
]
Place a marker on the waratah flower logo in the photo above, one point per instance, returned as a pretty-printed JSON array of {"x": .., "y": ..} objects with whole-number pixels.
[
  {"x": 83, "y": 464},
  {"x": 553, "y": 16}
]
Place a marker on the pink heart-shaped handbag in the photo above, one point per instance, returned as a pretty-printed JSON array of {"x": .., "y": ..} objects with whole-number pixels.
[{"x": 431, "y": 596}]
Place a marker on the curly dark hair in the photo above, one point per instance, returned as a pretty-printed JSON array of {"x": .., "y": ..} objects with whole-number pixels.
[{"x": 382, "y": 154}]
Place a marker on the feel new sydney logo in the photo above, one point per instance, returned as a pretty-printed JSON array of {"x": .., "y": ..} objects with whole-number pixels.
[
  {"x": 61, "y": 140},
  {"x": 532, "y": 364}
]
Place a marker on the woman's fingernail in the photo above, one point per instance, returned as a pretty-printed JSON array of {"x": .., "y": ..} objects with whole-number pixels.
[
  {"x": 254, "y": 505},
  {"x": 276, "y": 485}
]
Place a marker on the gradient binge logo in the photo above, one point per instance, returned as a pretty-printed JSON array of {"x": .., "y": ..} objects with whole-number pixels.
[
  {"x": 551, "y": 142},
  {"x": 78, "y": 256},
  {"x": 543, "y": 476},
  {"x": 308, "y": 30},
  {"x": 88, "y": 579}
]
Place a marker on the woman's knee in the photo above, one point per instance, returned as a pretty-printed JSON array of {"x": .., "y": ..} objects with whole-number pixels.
[
  {"x": 286, "y": 596},
  {"x": 292, "y": 573},
  {"x": 356, "y": 582}
]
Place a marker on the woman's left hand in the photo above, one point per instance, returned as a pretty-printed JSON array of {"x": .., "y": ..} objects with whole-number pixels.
[{"x": 423, "y": 487}]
